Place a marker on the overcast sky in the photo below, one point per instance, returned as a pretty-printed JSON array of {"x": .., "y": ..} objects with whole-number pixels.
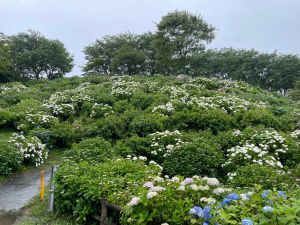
[{"x": 266, "y": 25}]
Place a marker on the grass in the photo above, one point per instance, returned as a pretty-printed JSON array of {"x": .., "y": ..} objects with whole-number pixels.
[{"x": 36, "y": 213}]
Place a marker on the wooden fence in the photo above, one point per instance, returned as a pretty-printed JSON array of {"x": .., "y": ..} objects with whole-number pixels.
[{"x": 103, "y": 218}]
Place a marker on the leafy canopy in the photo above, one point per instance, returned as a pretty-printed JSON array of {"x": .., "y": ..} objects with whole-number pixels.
[{"x": 34, "y": 56}]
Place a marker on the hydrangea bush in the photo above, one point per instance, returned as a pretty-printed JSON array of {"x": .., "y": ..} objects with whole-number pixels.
[
  {"x": 33, "y": 150},
  {"x": 173, "y": 200},
  {"x": 258, "y": 207},
  {"x": 261, "y": 147},
  {"x": 116, "y": 180},
  {"x": 163, "y": 143},
  {"x": 187, "y": 125},
  {"x": 100, "y": 110},
  {"x": 37, "y": 120}
]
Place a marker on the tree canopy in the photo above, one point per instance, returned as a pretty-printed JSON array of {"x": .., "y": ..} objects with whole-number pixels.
[
  {"x": 180, "y": 35},
  {"x": 272, "y": 71},
  {"x": 5, "y": 59},
  {"x": 33, "y": 56}
]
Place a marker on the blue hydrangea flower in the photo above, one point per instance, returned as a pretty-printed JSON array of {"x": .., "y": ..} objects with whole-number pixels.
[
  {"x": 265, "y": 193},
  {"x": 225, "y": 201},
  {"x": 281, "y": 194},
  {"x": 246, "y": 222},
  {"x": 204, "y": 223},
  {"x": 196, "y": 211},
  {"x": 233, "y": 196},
  {"x": 267, "y": 209},
  {"x": 192, "y": 211},
  {"x": 206, "y": 212},
  {"x": 268, "y": 202}
]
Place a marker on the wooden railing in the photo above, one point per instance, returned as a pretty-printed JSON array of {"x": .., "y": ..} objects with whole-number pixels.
[{"x": 103, "y": 218}]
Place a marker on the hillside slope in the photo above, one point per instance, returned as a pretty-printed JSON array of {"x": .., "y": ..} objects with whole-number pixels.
[{"x": 119, "y": 132}]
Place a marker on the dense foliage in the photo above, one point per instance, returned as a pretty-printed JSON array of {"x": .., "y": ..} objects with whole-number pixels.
[
  {"x": 178, "y": 47},
  {"x": 30, "y": 55},
  {"x": 139, "y": 141},
  {"x": 295, "y": 93}
]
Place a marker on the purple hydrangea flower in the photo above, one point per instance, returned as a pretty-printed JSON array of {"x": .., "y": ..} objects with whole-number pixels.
[{"x": 187, "y": 181}]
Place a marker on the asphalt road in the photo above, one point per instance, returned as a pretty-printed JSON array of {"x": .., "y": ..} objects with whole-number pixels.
[{"x": 18, "y": 190}]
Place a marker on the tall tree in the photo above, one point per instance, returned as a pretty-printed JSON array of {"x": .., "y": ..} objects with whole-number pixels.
[
  {"x": 181, "y": 35},
  {"x": 129, "y": 61},
  {"x": 100, "y": 55},
  {"x": 5, "y": 60},
  {"x": 295, "y": 93},
  {"x": 34, "y": 56},
  {"x": 270, "y": 71},
  {"x": 146, "y": 45}
]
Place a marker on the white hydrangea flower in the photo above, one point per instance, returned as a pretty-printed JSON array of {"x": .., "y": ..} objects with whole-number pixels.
[
  {"x": 134, "y": 201},
  {"x": 157, "y": 189},
  {"x": 148, "y": 184},
  {"x": 151, "y": 194}
]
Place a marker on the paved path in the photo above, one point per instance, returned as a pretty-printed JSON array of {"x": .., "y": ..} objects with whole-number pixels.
[{"x": 18, "y": 190}]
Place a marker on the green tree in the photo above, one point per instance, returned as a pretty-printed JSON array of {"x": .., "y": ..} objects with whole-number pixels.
[
  {"x": 34, "y": 56},
  {"x": 100, "y": 55},
  {"x": 295, "y": 93},
  {"x": 181, "y": 35},
  {"x": 146, "y": 45},
  {"x": 272, "y": 71},
  {"x": 125, "y": 53},
  {"x": 128, "y": 60},
  {"x": 5, "y": 60}
]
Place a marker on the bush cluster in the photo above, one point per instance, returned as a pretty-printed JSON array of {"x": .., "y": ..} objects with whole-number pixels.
[{"x": 119, "y": 132}]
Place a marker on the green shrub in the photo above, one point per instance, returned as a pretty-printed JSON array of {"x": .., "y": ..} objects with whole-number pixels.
[
  {"x": 145, "y": 124},
  {"x": 92, "y": 150},
  {"x": 266, "y": 176},
  {"x": 30, "y": 106},
  {"x": 10, "y": 159},
  {"x": 101, "y": 110},
  {"x": 103, "y": 96},
  {"x": 213, "y": 119},
  {"x": 65, "y": 134},
  {"x": 134, "y": 145},
  {"x": 292, "y": 156},
  {"x": 228, "y": 139},
  {"x": 201, "y": 157},
  {"x": 169, "y": 201},
  {"x": 142, "y": 100},
  {"x": 80, "y": 187},
  {"x": 14, "y": 93},
  {"x": 122, "y": 106},
  {"x": 296, "y": 172},
  {"x": 261, "y": 207},
  {"x": 34, "y": 152},
  {"x": 256, "y": 117},
  {"x": 36, "y": 120},
  {"x": 7, "y": 118},
  {"x": 110, "y": 127}
]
